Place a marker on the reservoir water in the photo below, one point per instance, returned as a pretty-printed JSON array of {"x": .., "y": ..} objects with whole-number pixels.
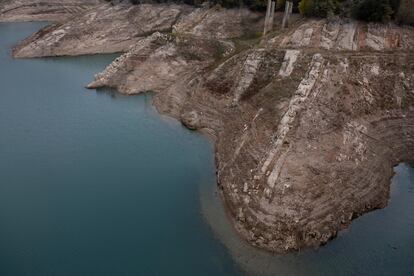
[{"x": 95, "y": 183}]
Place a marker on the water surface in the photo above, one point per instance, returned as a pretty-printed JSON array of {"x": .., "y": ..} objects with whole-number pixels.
[{"x": 96, "y": 183}]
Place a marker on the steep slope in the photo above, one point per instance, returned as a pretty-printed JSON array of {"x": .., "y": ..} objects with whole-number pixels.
[
  {"x": 308, "y": 126},
  {"x": 46, "y": 10},
  {"x": 105, "y": 29}
]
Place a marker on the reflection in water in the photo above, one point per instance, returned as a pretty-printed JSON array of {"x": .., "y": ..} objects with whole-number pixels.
[{"x": 377, "y": 243}]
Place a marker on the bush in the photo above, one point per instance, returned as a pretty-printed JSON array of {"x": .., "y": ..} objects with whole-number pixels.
[
  {"x": 368, "y": 10},
  {"x": 305, "y": 7},
  {"x": 319, "y": 8},
  {"x": 406, "y": 12},
  {"x": 375, "y": 10},
  {"x": 280, "y": 5}
]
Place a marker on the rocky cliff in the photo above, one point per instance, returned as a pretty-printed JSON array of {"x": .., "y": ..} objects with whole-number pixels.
[
  {"x": 308, "y": 121},
  {"x": 45, "y": 10}
]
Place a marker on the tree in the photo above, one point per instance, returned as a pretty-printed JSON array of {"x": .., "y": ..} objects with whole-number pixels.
[
  {"x": 405, "y": 13},
  {"x": 280, "y": 5},
  {"x": 368, "y": 10},
  {"x": 374, "y": 10},
  {"x": 319, "y": 8}
]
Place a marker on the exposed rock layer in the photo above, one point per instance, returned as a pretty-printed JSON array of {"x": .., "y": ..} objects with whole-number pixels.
[
  {"x": 45, "y": 10},
  {"x": 308, "y": 122},
  {"x": 104, "y": 29}
]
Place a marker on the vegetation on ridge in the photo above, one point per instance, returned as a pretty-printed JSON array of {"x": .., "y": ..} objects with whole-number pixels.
[{"x": 367, "y": 10}]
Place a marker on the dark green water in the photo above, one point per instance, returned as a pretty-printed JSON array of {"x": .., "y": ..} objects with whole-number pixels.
[
  {"x": 98, "y": 184},
  {"x": 94, "y": 184}
]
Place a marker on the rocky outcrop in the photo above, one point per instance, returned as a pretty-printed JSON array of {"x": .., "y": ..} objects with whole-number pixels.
[
  {"x": 163, "y": 59},
  {"x": 219, "y": 23},
  {"x": 105, "y": 29},
  {"x": 115, "y": 28},
  {"x": 307, "y": 123},
  {"x": 346, "y": 36},
  {"x": 45, "y": 10},
  {"x": 306, "y": 138}
]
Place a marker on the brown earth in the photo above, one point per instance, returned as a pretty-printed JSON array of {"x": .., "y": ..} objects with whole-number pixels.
[{"x": 308, "y": 122}]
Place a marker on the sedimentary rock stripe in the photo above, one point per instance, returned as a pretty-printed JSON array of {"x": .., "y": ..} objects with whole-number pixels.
[
  {"x": 300, "y": 38},
  {"x": 329, "y": 35},
  {"x": 346, "y": 37},
  {"x": 301, "y": 94},
  {"x": 375, "y": 38},
  {"x": 246, "y": 78},
  {"x": 288, "y": 61}
]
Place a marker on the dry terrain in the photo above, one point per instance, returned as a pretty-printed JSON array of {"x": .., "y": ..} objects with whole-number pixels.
[{"x": 308, "y": 121}]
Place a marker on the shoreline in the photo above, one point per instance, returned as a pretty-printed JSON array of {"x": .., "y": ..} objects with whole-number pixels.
[
  {"x": 256, "y": 261},
  {"x": 288, "y": 133}
]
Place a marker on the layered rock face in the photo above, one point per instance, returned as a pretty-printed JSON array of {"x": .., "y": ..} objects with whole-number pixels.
[
  {"x": 104, "y": 29},
  {"x": 307, "y": 129},
  {"x": 308, "y": 122},
  {"x": 46, "y": 10}
]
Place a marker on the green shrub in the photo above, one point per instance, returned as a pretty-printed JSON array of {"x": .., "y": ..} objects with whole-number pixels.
[
  {"x": 374, "y": 10},
  {"x": 405, "y": 13},
  {"x": 280, "y": 5},
  {"x": 319, "y": 8},
  {"x": 369, "y": 10},
  {"x": 305, "y": 7}
]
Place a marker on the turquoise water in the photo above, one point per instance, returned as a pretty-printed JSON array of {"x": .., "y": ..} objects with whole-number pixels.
[{"x": 95, "y": 183}]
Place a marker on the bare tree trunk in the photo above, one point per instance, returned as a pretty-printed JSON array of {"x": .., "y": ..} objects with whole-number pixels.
[
  {"x": 272, "y": 15},
  {"x": 288, "y": 11},
  {"x": 266, "y": 23}
]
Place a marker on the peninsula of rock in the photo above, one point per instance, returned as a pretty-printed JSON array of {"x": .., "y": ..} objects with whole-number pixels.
[{"x": 308, "y": 121}]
